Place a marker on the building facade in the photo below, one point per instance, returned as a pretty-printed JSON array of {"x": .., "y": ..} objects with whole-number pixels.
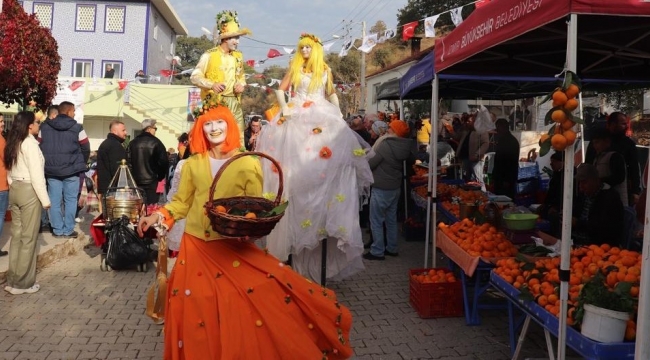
[{"x": 128, "y": 36}]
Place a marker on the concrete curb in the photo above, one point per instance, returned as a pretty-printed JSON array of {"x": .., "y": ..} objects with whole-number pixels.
[{"x": 56, "y": 252}]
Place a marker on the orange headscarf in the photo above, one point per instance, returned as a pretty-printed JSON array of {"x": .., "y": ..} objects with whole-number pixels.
[{"x": 199, "y": 142}]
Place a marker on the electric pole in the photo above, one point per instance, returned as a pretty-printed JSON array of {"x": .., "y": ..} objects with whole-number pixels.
[{"x": 362, "y": 91}]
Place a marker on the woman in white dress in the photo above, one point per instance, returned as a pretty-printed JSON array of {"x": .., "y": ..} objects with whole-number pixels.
[{"x": 325, "y": 170}]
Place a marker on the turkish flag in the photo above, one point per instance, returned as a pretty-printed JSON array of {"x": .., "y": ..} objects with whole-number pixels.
[
  {"x": 409, "y": 30},
  {"x": 166, "y": 73},
  {"x": 480, "y": 3},
  {"x": 122, "y": 84},
  {"x": 250, "y": 63},
  {"x": 273, "y": 53}
]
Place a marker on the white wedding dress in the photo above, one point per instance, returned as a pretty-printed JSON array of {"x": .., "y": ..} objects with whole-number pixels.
[{"x": 325, "y": 173}]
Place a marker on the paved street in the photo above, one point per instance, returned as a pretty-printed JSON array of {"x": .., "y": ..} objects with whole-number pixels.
[{"x": 83, "y": 313}]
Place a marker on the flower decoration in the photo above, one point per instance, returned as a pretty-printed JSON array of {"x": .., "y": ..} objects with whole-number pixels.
[
  {"x": 325, "y": 152},
  {"x": 340, "y": 198},
  {"x": 359, "y": 152},
  {"x": 322, "y": 232},
  {"x": 316, "y": 130},
  {"x": 281, "y": 120},
  {"x": 342, "y": 230},
  {"x": 305, "y": 224},
  {"x": 225, "y": 17},
  {"x": 307, "y": 104},
  {"x": 311, "y": 36},
  {"x": 204, "y": 106}
]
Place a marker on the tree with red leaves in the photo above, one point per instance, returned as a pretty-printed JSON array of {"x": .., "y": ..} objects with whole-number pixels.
[{"x": 29, "y": 58}]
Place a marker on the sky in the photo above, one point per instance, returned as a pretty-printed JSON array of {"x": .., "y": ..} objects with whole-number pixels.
[{"x": 280, "y": 22}]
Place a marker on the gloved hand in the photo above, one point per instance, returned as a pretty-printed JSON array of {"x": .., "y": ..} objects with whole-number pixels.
[
  {"x": 334, "y": 99},
  {"x": 286, "y": 110}
]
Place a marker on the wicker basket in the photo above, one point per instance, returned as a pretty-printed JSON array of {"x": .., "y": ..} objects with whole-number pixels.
[{"x": 237, "y": 226}]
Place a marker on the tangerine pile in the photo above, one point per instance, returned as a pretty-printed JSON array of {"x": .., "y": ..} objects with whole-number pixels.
[
  {"x": 223, "y": 209},
  {"x": 434, "y": 276},
  {"x": 564, "y": 103},
  {"x": 479, "y": 240},
  {"x": 543, "y": 281}
]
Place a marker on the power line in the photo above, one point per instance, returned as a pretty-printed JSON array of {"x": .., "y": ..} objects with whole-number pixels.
[{"x": 265, "y": 42}]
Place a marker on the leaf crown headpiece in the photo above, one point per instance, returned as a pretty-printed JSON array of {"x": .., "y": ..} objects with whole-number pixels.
[
  {"x": 311, "y": 36},
  {"x": 209, "y": 102},
  {"x": 226, "y": 17}
]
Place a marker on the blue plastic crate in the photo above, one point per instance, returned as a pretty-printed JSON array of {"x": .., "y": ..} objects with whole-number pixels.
[{"x": 527, "y": 186}]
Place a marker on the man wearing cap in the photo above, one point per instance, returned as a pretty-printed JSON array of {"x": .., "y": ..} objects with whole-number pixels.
[
  {"x": 148, "y": 159},
  {"x": 597, "y": 212},
  {"x": 386, "y": 165},
  {"x": 220, "y": 71}
]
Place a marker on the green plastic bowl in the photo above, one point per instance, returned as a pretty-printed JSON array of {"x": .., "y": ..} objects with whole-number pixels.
[{"x": 520, "y": 221}]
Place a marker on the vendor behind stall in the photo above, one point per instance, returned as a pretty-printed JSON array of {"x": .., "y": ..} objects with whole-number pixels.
[
  {"x": 551, "y": 209},
  {"x": 597, "y": 212}
]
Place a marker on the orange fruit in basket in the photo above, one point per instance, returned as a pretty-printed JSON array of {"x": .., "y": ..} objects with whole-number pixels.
[
  {"x": 250, "y": 215},
  {"x": 220, "y": 209}
]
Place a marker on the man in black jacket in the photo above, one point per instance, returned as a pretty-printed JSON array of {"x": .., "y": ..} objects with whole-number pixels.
[
  {"x": 109, "y": 155},
  {"x": 598, "y": 212},
  {"x": 148, "y": 159},
  {"x": 617, "y": 124},
  {"x": 66, "y": 149},
  {"x": 506, "y": 161}
]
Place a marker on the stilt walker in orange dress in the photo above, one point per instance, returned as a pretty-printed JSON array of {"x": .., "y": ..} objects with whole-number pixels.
[{"x": 229, "y": 299}]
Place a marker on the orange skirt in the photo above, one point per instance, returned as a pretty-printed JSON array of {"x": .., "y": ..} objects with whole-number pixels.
[{"x": 231, "y": 300}]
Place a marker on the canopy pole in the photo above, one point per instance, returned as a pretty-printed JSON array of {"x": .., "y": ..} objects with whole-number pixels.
[
  {"x": 642, "y": 347},
  {"x": 406, "y": 195},
  {"x": 567, "y": 202},
  {"x": 582, "y": 131},
  {"x": 432, "y": 182}
]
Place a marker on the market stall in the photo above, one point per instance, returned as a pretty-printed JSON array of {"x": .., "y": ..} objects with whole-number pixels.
[{"x": 601, "y": 39}]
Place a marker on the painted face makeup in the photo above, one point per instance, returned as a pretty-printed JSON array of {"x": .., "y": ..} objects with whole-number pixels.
[
  {"x": 233, "y": 43},
  {"x": 305, "y": 51},
  {"x": 215, "y": 131}
]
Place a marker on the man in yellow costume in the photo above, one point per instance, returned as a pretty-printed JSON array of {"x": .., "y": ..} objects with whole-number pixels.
[{"x": 220, "y": 71}]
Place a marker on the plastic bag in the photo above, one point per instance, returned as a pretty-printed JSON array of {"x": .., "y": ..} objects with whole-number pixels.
[
  {"x": 125, "y": 248},
  {"x": 483, "y": 122}
]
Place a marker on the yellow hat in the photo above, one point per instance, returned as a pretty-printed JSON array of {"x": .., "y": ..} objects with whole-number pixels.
[{"x": 228, "y": 25}]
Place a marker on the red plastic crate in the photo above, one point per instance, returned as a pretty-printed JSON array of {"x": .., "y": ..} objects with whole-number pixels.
[{"x": 435, "y": 300}]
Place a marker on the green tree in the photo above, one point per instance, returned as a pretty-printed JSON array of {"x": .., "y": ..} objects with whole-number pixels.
[
  {"x": 378, "y": 28},
  {"x": 347, "y": 70},
  {"x": 190, "y": 49},
  {"x": 29, "y": 58},
  {"x": 420, "y": 9},
  {"x": 627, "y": 101},
  {"x": 380, "y": 56}
]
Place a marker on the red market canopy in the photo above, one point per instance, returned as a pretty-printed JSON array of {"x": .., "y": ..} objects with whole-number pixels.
[
  {"x": 529, "y": 38},
  {"x": 600, "y": 39}
]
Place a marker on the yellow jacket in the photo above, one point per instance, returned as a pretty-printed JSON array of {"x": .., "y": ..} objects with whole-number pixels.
[
  {"x": 243, "y": 177},
  {"x": 425, "y": 132}
]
